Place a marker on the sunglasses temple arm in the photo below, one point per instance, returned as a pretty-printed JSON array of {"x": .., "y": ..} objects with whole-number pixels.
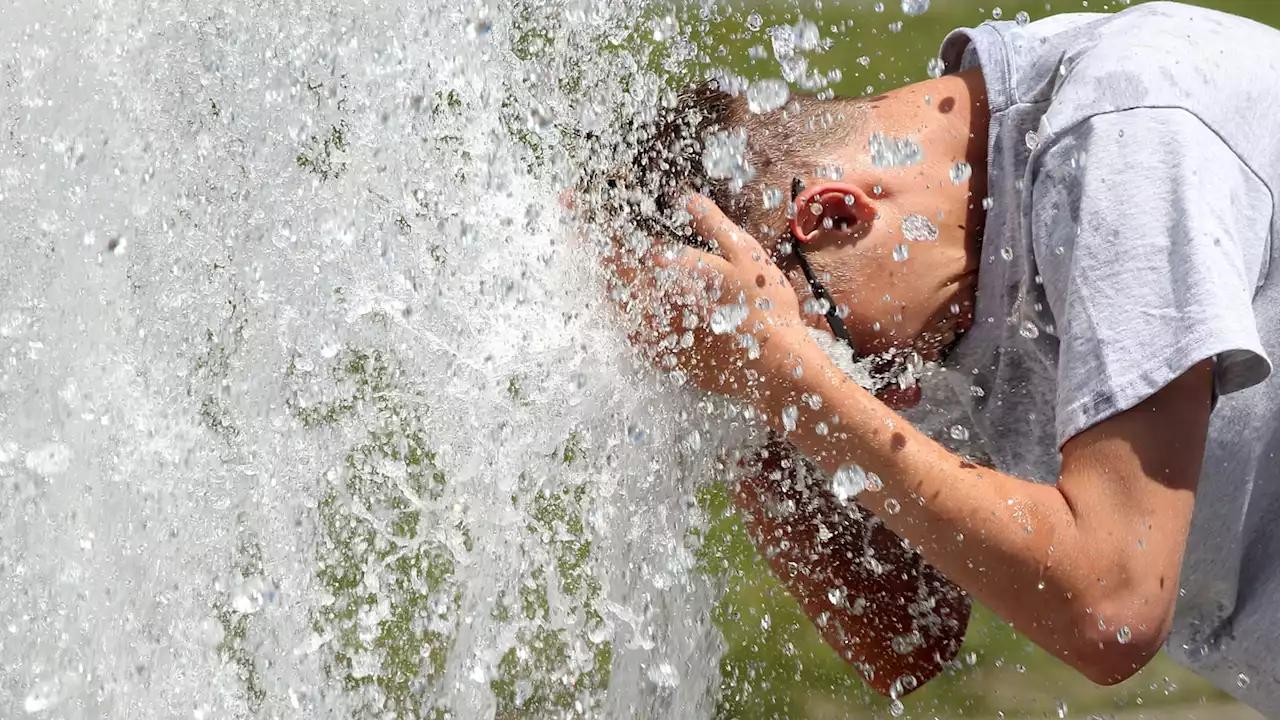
[{"x": 833, "y": 318}]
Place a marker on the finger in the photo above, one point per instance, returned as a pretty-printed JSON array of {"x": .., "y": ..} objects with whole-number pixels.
[
  {"x": 693, "y": 261},
  {"x": 712, "y": 225}
]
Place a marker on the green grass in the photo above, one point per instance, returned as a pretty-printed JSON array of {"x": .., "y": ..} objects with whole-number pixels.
[
  {"x": 778, "y": 667},
  {"x": 894, "y": 57}
]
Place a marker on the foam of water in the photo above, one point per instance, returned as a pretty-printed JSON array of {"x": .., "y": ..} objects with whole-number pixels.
[{"x": 308, "y": 405}]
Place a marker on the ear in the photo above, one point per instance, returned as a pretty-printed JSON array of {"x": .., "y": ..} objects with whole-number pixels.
[{"x": 848, "y": 208}]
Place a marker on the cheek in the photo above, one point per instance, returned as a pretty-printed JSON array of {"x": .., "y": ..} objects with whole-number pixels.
[{"x": 865, "y": 276}]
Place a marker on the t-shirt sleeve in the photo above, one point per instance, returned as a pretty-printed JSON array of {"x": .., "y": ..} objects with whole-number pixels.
[{"x": 1150, "y": 236}]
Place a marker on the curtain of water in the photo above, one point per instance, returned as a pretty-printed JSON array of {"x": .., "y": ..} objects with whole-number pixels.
[{"x": 309, "y": 407}]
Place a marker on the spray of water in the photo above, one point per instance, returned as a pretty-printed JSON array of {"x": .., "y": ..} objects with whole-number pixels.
[{"x": 309, "y": 406}]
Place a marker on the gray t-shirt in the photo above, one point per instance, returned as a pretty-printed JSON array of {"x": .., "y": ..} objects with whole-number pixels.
[{"x": 1132, "y": 161}]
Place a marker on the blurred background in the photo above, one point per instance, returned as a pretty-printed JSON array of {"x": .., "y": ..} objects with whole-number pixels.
[{"x": 777, "y": 666}]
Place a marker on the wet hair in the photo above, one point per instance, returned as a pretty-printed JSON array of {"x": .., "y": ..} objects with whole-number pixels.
[{"x": 640, "y": 177}]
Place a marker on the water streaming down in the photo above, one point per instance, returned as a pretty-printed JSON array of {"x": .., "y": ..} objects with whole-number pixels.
[{"x": 307, "y": 408}]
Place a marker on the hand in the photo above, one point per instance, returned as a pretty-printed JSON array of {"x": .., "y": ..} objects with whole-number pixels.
[{"x": 726, "y": 322}]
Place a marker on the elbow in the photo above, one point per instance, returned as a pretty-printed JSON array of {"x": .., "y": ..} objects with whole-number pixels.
[{"x": 1115, "y": 639}]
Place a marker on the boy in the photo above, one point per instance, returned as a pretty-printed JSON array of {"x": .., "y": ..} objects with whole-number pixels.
[{"x": 1086, "y": 203}]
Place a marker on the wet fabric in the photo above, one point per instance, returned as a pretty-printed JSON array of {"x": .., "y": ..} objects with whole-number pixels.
[{"x": 1132, "y": 162}]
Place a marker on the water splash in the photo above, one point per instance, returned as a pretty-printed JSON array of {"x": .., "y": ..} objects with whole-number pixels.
[
  {"x": 309, "y": 409},
  {"x": 918, "y": 228},
  {"x": 893, "y": 152}
]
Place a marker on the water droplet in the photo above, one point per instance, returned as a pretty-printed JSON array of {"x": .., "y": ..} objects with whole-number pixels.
[
  {"x": 903, "y": 645},
  {"x": 664, "y": 675},
  {"x": 766, "y": 622},
  {"x": 480, "y": 26},
  {"x": 895, "y": 26},
  {"x": 959, "y": 432},
  {"x": 42, "y": 697},
  {"x": 1124, "y": 635},
  {"x": 960, "y": 172},
  {"x": 820, "y": 429},
  {"x": 988, "y": 203},
  {"x": 896, "y": 708},
  {"x": 726, "y": 318},
  {"x": 1062, "y": 708},
  {"x": 665, "y": 28},
  {"x": 540, "y": 119},
  {"x": 767, "y": 95},
  {"x": 914, "y": 7},
  {"x": 891, "y": 506},
  {"x": 1006, "y": 252},
  {"x": 848, "y": 481},
  {"x": 1029, "y": 330},
  {"x": 1242, "y": 680},
  {"x": 790, "y": 414},
  {"x": 900, "y": 252},
  {"x": 1032, "y": 140},
  {"x": 49, "y": 459},
  {"x": 771, "y": 198},
  {"x": 252, "y": 595},
  {"x": 816, "y": 306},
  {"x": 893, "y": 152},
  {"x": 805, "y": 35},
  {"x": 997, "y": 13},
  {"x": 878, "y": 7},
  {"x": 724, "y": 157},
  {"x": 917, "y": 228},
  {"x": 836, "y": 596},
  {"x": 637, "y": 434},
  {"x": 1022, "y": 18},
  {"x": 859, "y": 606},
  {"x": 935, "y": 68},
  {"x": 754, "y": 22}
]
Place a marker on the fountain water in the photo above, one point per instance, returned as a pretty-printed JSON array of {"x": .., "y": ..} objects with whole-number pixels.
[{"x": 308, "y": 407}]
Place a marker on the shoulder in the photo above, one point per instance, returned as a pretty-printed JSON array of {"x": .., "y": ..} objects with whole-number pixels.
[{"x": 1166, "y": 55}]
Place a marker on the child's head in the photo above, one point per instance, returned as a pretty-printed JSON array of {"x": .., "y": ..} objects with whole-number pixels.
[{"x": 893, "y": 218}]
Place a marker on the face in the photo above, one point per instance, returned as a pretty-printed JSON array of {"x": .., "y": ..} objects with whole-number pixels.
[{"x": 906, "y": 279}]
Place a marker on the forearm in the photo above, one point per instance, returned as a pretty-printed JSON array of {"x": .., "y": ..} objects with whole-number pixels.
[
  {"x": 874, "y": 602},
  {"x": 1016, "y": 546}
]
